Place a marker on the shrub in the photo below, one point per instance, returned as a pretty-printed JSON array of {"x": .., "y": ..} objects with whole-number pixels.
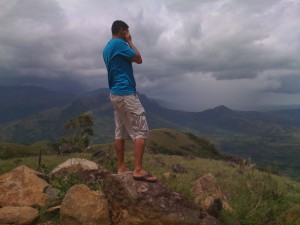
[
  {"x": 64, "y": 183},
  {"x": 77, "y": 132},
  {"x": 257, "y": 201}
]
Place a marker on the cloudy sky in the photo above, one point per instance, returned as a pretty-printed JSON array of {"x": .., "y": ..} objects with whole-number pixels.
[{"x": 197, "y": 54}]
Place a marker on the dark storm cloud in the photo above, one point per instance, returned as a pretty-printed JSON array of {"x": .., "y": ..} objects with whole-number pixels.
[
  {"x": 40, "y": 44},
  {"x": 247, "y": 50},
  {"x": 290, "y": 84},
  {"x": 28, "y": 33}
]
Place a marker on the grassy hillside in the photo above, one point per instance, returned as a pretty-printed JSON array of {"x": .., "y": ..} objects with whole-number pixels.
[
  {"x": 170, "y": 142},
  {"x": 258, "y": 198},
  {"x": 164, "y": 141},
  {"x": 280, "y": 153},
  {"x": 11, "y": 150}
]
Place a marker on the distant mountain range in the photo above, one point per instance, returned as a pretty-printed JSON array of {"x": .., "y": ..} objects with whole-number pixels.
[
  {"x": 20, "y": 101},
  {"x": 29, "y": 114}
]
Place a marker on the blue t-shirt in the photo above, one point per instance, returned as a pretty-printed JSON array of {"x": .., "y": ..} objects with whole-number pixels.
[{"x": 117, "y": 56}]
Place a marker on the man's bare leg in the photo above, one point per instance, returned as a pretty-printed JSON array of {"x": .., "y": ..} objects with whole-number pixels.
[
  {"x": 120, "y": 149},
  {"x": 139, "y": 147}
]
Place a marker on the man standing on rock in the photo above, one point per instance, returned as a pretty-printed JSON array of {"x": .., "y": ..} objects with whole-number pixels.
[{"x": 129, "y": 114}]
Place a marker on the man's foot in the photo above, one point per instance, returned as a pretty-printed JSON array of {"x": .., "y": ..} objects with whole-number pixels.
[
  {"x": 147, "y": 177},
  {"x": 124, "y": 170}
]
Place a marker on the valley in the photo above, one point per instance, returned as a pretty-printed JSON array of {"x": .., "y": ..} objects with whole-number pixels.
[{"x": 270, "y": 139}]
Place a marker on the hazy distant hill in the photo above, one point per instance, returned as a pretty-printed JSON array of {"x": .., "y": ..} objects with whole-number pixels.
[
  {"x": 20, "y": 101},
  {"x": 268, "y": 137}
]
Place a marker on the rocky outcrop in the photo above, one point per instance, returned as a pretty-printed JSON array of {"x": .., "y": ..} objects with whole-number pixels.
[
  {"x": 18, "y": 215},
  {"x": 22, "y": 187},
  {"x": 208, "y": 194},
  {"x": 121, "y": 200},
  {"x": 48, "y": 223},
  {"x": 82, "y": 206},
  {"x": 137, "y": 202},
  {"x": 74, "y": 165}
]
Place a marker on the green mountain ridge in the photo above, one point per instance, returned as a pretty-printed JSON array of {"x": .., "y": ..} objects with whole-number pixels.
[{"x": 269, "y": 138}]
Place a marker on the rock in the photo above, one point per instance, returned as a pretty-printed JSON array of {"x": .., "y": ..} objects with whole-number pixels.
[
  {"x": 74, "y": 165},
  {"x": 48, "y": 223},
  {"x": 168, "y": 176},
  {"x": 208, "y": 194},
  {"x": 53, "y": 209},
  {"x": 22, "y": 187},
  {"x": 81, "y": 206},
  {"x": 212, "y": 205},
  {"x": 226, "y": 205},
  {"x": 209, "y": 220},
  {"x": 159, "y": 163},
  {"x": 178, "y": 169},
  {"x": 137, "y": 202},
  {"x": 207, "y": 185},
  {"x": 18, "y": 215},
  {"x": 53, "y": 194},
  {"x": 101, "y": 154}
]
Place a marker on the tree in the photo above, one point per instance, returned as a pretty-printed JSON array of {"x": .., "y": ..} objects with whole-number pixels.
[{"x": 77, "y": 134}]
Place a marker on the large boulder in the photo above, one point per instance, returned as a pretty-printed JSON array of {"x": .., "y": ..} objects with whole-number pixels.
[
  {"x": 48, "y": 223},
  {"x": 208, "y": 194},
  {"x": 22, "y": 187},
  {"x": 81, "y": 206},
  {"x": 142, "y": 203},
  {"x": 75, "y": 165},
  {"x": 18, "y": 215}
]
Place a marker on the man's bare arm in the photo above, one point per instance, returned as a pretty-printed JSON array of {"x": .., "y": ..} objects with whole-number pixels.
[{"x": 137, "y": 58}]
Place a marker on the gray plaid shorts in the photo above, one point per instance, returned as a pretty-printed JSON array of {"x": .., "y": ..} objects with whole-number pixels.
[{"x": 130, "y": 118}]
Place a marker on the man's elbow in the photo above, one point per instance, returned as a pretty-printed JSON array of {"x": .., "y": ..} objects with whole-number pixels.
[{"x": 137, "y": 59}]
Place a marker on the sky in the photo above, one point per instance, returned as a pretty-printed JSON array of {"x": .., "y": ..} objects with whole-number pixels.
[{"x": 197, "y": 54}]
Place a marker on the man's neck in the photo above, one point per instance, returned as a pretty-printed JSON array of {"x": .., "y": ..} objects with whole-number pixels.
[{"x": 116, "y": 36}]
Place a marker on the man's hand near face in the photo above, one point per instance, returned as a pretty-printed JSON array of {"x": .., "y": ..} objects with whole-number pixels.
[{"x": 137, "y": 58}]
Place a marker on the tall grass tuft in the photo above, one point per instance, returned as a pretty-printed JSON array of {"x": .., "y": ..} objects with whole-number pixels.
[{"x": 257, "y": 201}]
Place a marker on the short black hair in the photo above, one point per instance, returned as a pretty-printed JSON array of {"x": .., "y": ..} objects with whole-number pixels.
[{"x": 117, "y": 26}]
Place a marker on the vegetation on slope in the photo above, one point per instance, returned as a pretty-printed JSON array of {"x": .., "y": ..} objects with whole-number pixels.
[
  {"x": 170, "y": 142},
  {"x": 258, "y": 198},
  {"x": 11, "y": 150}
]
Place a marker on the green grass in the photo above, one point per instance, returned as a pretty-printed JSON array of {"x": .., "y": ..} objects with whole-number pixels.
[
  {"x": 257, "y": 197},
  {"x": 48, "y": 162},
  {"x": 177, "y": 143},
  {"x": 281, "y": 151},
  {"x": 11, "y": 150}
]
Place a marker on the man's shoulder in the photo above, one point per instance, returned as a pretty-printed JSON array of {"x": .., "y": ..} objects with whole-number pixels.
[{"x": 117, "y": 41}]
